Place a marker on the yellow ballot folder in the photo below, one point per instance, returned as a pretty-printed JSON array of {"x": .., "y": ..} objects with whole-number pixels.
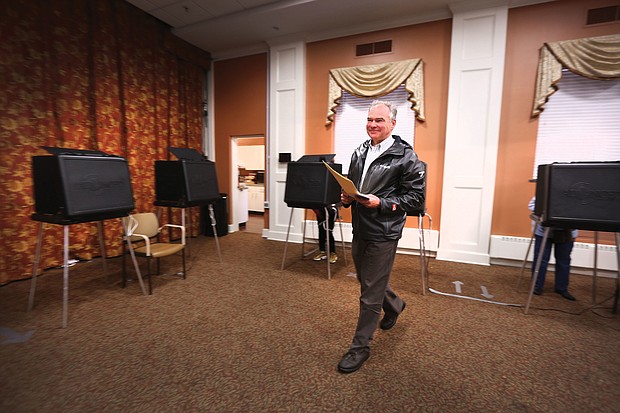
[{"x": 347, "y": 185}]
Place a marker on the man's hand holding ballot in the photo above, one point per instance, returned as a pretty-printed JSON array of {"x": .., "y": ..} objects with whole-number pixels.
[
  {"x": 367, "y": 200},
  {"x": 350, "y": 192}
]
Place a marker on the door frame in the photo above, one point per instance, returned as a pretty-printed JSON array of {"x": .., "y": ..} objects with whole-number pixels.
[{"x": 234, "y": 177}]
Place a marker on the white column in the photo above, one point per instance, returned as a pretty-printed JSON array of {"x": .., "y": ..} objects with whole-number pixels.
[
  {"x": 287, "y": 127},
  {"x": 472, "y": 133}
]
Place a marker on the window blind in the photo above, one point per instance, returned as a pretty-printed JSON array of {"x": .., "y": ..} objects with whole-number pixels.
[{"x": 581, "y": 122}]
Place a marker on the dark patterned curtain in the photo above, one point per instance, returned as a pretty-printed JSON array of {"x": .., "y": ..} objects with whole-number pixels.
[{"x": 97, "y": 74}]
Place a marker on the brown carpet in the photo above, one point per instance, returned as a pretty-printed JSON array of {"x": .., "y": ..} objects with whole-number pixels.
[{"x": 244, "y": 336}]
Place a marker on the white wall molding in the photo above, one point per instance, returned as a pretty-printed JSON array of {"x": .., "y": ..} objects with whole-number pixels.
[
  {"x": 286, "y": 131},
  {"x": 472, "y": 134},
  {"x": 409, "y": 243},
  {"x": 511, "y": 250},
  {"x": 505, "y": 250}
]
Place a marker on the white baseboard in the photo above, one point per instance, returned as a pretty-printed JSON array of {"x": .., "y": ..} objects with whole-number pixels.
[
  {"x": 582, "y": 258},
  {"x": 504, "y": 250},
  {"x": 409, "y": 243}
]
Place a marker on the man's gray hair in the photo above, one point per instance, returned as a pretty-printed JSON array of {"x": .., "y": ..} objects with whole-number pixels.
[{"x": 391, "y": 107}]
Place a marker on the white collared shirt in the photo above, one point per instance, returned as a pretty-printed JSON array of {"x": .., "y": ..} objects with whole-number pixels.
[{"x": 374, "y": 151}]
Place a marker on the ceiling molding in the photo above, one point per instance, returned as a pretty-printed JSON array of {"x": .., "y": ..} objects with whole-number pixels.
[{"x": 227, "y": 28}]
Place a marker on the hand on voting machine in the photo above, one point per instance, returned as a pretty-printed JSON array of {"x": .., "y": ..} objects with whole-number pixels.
[{"x": 347, "y": 185}]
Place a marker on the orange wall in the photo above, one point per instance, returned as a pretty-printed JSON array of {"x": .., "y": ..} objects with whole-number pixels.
[
  {"x": 528, "y": 28},
  {"x": 251, "y": 141},
  {"x": 240, "y": 96},
  {"x": 244, "y": 80},
  {"x": 431, "y": 43}
]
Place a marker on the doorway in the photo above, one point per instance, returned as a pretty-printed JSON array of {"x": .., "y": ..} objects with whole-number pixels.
[{"x": 247, "y": 183}]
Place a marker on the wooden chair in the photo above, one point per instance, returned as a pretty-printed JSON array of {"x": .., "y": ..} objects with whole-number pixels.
[{"x": 142, "y": 238}]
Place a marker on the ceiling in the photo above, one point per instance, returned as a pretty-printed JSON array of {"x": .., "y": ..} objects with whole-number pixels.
[{"x": 228, "y": 28}]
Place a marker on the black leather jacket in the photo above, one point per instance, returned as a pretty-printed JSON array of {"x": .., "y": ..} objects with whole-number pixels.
[{"x": 397, "y": 179}]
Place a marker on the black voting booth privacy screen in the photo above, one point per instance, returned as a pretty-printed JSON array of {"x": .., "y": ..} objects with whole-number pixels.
[
  {"x": 189, "y": 181},
  {"x": 579, "y": 195},
  {"x": 309, "y": 184},
  {"x": 80, "y": 183}
]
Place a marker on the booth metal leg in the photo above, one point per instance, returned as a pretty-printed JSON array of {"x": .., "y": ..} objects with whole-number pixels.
[
  {"x": 102, "y": 250},
  {"x": 527, "y": 253},
  {"x": 35, "y": 267},
  {"x": 137, "y": 267},
  {"x": 344, "y": 246},
  {"x": 287, "y": 234},
  {"x": 187, "y": 233},
  {"x": 65, "y": 272},
  {"x": 537, "y": 268},
  {"x": 304, "y": 227},
  {"x": 328, "y": 231},
  {"x": 594, "y": 270},
  {"x": 422, "y": 253},
  {"x": 213, "y": 225},
  {"x": 65, "y": 277},
  {"x": 303, "y": 234},
  {"x": 325, "y": 226},
  {"x": 615, "y": 309},
  {"x": 327, "y": 249},
  {"x": 134, "y": 260}
]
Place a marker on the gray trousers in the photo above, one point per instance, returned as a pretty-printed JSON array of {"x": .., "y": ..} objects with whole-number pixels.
[{"x": 373, "y": 263}]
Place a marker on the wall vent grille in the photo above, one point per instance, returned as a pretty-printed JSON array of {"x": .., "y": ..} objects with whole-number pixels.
[
  {"x": 603, "y": 15},
  {"x": 366, "y": 49}
]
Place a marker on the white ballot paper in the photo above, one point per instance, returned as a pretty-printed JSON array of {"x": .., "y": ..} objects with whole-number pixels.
[{"x": 347, "y": 185}]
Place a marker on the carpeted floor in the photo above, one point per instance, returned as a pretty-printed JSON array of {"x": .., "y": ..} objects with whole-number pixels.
[{"x": 244, "y": 336}]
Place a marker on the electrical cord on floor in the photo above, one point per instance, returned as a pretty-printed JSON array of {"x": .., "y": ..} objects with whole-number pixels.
[
  {"x": 474, "y": 298},
  {"x": 593, "y": 307},
  {"x": 583, "y": 311},
  {"x": 598, "y": 305}
]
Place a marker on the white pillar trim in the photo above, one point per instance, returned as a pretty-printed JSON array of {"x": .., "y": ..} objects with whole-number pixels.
[
  {"x": 286, "y": 132},
  {"x": 472, "y": 133}
]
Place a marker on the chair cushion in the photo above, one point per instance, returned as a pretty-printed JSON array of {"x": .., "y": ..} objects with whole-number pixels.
[{"x": 161, "y": 249}]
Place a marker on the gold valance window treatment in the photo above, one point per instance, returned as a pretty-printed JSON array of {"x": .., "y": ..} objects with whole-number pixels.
[
  {"x": 378, "y": 80},
  {"x": 592, "y": 57}
]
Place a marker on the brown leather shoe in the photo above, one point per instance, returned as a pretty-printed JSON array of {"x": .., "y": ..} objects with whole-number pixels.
[
  {"x": 353, "y": 360},
  {"x": 389, "y": 319}
]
